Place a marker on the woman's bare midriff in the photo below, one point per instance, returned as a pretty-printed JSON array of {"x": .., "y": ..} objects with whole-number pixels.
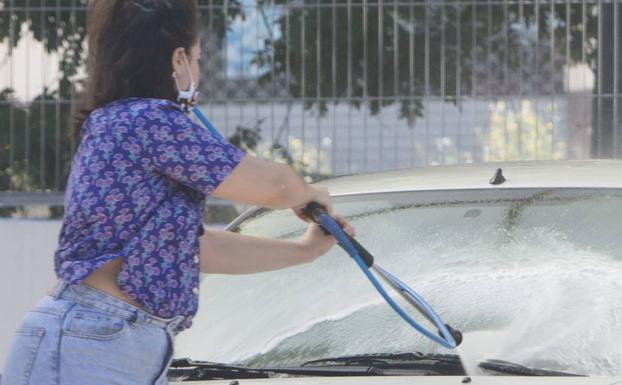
[{"x": 105, "y": 279}]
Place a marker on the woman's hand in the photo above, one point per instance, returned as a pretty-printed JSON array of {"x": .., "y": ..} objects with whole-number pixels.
[
  {"x": 316, "y": 243},
  {"x": 317, "y": 194}
]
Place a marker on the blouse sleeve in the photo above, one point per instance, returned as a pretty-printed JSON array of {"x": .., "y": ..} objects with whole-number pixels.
[{"x": 186, "y": 152}]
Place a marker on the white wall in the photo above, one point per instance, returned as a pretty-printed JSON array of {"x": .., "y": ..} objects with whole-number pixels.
[{"x": 27, "y": 255}]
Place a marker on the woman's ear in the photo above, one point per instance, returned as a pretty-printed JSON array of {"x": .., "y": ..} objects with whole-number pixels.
[{"x": 177, "y": 61}]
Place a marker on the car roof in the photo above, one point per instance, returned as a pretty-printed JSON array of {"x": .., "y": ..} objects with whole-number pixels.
[{"x": 538, "y": 174}]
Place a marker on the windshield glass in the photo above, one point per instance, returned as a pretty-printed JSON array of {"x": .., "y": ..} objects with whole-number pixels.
[{"x": 531, "y": 275}]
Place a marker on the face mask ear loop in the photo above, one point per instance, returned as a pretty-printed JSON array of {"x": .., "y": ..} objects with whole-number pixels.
[{"x": 188, "y": 98}]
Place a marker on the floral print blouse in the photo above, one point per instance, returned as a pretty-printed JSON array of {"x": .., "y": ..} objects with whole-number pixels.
[{"x": 137, "y": 190}]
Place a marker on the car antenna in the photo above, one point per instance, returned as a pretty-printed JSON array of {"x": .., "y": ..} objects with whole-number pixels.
[{"x": 498, "y": 177}]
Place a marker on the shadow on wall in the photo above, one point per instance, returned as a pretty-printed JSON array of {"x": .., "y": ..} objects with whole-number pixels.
[{"x": 28, "y": 270}]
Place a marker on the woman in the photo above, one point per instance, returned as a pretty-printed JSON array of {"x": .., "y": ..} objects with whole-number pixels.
[{"x": 132, "y": 242}]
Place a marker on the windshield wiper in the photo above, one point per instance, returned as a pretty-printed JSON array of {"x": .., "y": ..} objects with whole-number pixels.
[
  {"x": 440, "y": 364},
  {"x": 521, "y": 370},
  {"x": 382, "y": 364},
  {"x": 398, "y": 364}
]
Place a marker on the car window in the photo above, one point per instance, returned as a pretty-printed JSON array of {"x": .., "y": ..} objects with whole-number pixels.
[
  {"x": 572, "y": 213},
  {"x": 539, "y": 266}
]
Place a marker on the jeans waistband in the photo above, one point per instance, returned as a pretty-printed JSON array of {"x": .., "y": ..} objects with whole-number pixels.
[{"x": 89, "y": 296}]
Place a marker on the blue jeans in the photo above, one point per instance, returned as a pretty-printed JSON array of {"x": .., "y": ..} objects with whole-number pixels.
[{"x": 81, "y": 336}]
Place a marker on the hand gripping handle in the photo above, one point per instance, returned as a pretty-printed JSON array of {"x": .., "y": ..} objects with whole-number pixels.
[{"x": 314, "y": 211}]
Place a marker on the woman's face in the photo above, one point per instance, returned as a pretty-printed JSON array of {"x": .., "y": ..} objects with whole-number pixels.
[
  {"x": 195, "y": 57},
  {"x": 180, "y": 55}
]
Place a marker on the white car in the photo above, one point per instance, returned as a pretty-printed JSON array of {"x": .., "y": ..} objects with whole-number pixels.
[{"x": 526, "y": 262}]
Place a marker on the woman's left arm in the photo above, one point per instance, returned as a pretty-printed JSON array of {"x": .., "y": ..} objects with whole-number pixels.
[{"x": 225, "y": 252}]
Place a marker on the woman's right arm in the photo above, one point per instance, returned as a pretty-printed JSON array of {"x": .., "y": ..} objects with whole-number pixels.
[
  {"x": 269, "y": 184},
  {"x": 189, "y": 154}
]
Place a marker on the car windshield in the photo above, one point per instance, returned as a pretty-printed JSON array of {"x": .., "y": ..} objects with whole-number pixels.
[{"x": 532, "y": 276}]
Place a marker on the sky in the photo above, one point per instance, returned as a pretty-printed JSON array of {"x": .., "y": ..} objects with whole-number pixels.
[
  {"x": 29, "y": 69},
  {"x": 247, "y": 37}
]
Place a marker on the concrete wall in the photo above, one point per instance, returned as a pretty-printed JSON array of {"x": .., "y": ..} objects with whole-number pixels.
[{"x": 26, "y": 252}]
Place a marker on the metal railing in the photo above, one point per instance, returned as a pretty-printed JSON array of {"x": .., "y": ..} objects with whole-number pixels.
[{"x": 342, "y": 86}]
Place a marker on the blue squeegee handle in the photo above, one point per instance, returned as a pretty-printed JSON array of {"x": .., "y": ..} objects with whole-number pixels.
[
  {"x": 313, "y": 210},
  {"x": 447, "y": 336}
]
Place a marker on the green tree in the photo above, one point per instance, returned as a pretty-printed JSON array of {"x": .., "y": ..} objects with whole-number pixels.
[
  {"x": 401, "y": 53},
  {"x": 35, "y": 137}
]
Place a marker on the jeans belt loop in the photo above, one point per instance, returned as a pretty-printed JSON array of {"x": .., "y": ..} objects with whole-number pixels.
[
  {"x": 174, "y": 325},
  {"x": 137, "y": 317},
  {"x": 58, "y": 290}
]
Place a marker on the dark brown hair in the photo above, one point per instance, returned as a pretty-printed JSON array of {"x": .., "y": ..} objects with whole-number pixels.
[{"x": 130, "y": 44}]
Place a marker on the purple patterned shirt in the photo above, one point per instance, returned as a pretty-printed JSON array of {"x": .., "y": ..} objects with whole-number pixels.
[{"x": 137, "y": 190}]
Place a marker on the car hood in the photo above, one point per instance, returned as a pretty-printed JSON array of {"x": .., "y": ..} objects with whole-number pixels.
[{"x": 418, "y": 380}]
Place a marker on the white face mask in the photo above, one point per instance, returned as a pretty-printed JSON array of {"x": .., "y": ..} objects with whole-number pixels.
[{"x": 187, "y": 99}]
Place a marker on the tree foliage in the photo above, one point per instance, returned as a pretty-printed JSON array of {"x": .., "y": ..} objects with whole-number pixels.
[
  {"x": 396, "y": 53},
  {"x": 35, "y": 138},
  {"x": 385, "y": 53}
]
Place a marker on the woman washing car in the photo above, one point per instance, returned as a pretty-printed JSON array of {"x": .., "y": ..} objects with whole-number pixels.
[{"x": 132, "y": 242}]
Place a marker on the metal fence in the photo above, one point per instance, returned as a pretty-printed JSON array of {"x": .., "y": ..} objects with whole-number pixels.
[{"x": 344, "y": 86}]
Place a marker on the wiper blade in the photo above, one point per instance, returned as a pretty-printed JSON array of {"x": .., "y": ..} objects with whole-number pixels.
[
  {"x": 186, "y": 369},
  {"x": 511, "y": 368},
  {"x": 376, "y": 364},
  {"x": 398, "y": 364},
  {"x": 444, "y": 364}
]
